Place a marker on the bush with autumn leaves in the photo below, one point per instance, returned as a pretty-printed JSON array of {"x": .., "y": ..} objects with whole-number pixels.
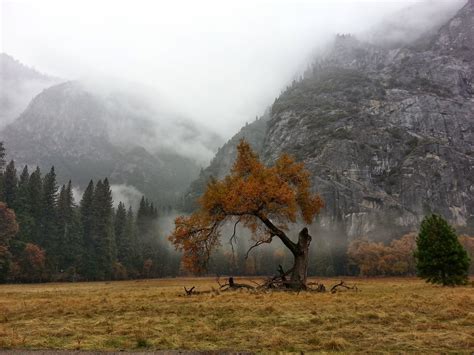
[{"x": 394, "y": 259}]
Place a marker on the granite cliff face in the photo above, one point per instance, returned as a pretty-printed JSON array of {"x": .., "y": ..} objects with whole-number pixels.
[{"x": 388, "y": 134}]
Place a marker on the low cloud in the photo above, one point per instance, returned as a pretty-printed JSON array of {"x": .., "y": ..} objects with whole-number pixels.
[
  {"x": 127, "y": 194},
  {"x": 219, "y": 63}
]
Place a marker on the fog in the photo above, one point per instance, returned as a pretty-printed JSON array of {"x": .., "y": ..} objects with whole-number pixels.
[
  {"x": 220, "y": 63},
  {"x": 129, "y": 195}
]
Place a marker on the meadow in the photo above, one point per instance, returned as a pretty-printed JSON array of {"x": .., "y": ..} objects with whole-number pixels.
[{"x": 394, "y": 314}]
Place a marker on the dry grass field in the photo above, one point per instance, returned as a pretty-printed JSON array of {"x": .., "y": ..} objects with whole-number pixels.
[{"x": 404, "y": 315}]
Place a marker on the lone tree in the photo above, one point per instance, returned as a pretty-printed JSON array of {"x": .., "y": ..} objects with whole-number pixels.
[
  {"x": 440, "y": 257},
  {"x": 263, "y": 199}
]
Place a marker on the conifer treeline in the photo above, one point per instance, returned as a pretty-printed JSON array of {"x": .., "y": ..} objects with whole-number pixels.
[{"x": 59, "y": 240}]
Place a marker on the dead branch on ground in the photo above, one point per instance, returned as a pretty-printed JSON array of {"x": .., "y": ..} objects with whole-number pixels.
[
  {"x": 232, "y": 285},
  {"x": 275, "y": 283},
  {"x": 343, "y": 286},
  {"x": 190, "y": 291}
]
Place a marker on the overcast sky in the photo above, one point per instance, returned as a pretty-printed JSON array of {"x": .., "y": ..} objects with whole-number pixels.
[{"x": 219, "y": 62}]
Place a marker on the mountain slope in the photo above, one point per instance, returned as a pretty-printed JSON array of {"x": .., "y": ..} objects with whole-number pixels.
[
  {"x": 388, "y": 134},
  {"x": 18, "y": 85},
  {"x": 253, "y": 132},
  {"x": 84, "y": 137}
]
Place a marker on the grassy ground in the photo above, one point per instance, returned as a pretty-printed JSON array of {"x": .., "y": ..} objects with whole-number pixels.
[{"x": 387, "y": 315}]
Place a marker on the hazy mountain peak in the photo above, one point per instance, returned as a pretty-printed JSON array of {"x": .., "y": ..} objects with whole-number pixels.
[
  {"x": 13, "y": 69},
  {"x": 19, "y": 84}
]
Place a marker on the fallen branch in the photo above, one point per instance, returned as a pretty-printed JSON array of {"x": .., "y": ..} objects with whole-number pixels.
[
  {"x": 343, "y": 285},
  {"x": 259, "y": 242},
  {"x": 190, "y": 291},
  {"x": 316, "y": 287},
  {"x": 231, "y": 285}
]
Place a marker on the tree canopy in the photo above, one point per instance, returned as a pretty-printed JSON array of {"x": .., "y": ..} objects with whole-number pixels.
[
  {"x": 8, "y": 229},
  {"x": 45, "y": 236},
  {"x": 263, "y": 199},
  {"x": 440, "y": 257}
]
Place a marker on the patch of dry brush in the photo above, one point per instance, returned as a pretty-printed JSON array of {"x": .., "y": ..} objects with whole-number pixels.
[{"x": 388, "y": 315}]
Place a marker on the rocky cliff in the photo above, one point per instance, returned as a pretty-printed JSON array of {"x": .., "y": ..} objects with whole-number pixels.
[{"x": 388, "y": 134}]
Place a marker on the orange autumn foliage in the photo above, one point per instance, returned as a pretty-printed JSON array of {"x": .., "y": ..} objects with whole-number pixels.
[
  {"x": 8, "y": 230},
  {"x": 374, "y": 258},
  {"x": 254, "y": 195},
  {"x": 8, "y": 225},
  {"x": 33, "y": 263}
]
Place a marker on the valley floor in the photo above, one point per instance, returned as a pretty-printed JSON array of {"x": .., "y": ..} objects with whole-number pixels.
[{"x": 387, "y": 315}]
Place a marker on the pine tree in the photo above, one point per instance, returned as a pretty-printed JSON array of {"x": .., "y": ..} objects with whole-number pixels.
[
  {"x": 10, "y": 184},
  {"x": 49, "y": 223},
  {"x": 122, "y": 239},
  {"x": 142, "y": 227},
  {"x": 440, "y": 258},
  {"x": 65, "y": 204},
  {"x": 70, "y": 236},
  {"x": 2, "y": 156},
  {"x": 148, "y": 238},
  {"x": 23, "y": 195},
  {"x": 132, "y": 261},
  {"x": 35, "y": 202},
  {"x": 103, "y": 235},
  {"x": 22, "y": 211},
  {"x": 87, "y": 217},
  {"x": 65, "y": 210},
  {"x": 2, "y": 165}
]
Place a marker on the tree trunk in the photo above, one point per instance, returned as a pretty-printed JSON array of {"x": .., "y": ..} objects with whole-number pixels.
[{"x": 300, "y": 266}]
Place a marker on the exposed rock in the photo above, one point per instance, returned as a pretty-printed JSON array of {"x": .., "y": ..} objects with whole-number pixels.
[{"x": 388, "y": 134}]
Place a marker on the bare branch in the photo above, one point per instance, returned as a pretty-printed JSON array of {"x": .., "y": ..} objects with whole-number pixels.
[
  {"x": 342, "y": 284},
  {"x": 190, "y": 291},
  {"x": 279, "y": 233},
  {"x": 218, "y": 280},
  {"x": 233, "y": 236},
  {"x": 259, "y": 242},
  {"x": 233, "y": 240}
]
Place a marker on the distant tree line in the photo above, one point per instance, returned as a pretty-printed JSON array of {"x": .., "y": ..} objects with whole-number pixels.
[{"x": 45, "y": 236}]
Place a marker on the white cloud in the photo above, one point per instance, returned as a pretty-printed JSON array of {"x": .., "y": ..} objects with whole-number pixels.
[
  {"x": 220, "y": 62},
  {"x": 127, "y": 194}
]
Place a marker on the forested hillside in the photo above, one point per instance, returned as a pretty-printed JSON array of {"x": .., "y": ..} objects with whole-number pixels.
[
  {"x": 87, "y": 136},
  {"x": 59, "y": 239}
]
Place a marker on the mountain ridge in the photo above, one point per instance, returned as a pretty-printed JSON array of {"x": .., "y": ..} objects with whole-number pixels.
[
  {"x": 387, "y": 134},
  {"x": 19, "y": 85},
  {"x": 69, "y": 127}
]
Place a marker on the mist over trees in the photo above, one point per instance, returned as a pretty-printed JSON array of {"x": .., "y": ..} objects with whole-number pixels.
[{"x": 47, "y": 237}]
